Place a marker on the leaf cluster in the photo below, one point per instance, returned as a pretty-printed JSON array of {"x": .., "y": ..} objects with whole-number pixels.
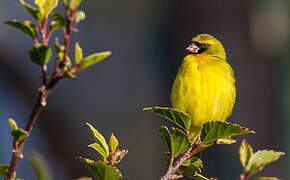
[{"x": 110, "y": 155}]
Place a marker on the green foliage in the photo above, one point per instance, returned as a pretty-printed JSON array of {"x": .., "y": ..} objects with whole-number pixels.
[
  {"x": 102, "y": 170},
  {"x": 179, "y": 142},
  {"x": 35, "y": 13},
  {"x": 221, "y": 132},
  {"x": 78, "y": 53},
  {"x": 118, "y": 156},
  {"x": 100, "y": 145},
  {"x": 4, "y": 169},
  {"x": 40, "y": 165},
  {"x": 93, "y": 59},
  {"x": 255, "y": 162},
  {"x": 80, "y": 16},
  {"x": 40, "y": 54},
  {"x": 266, "y": 178},
  {"x": 58, "y": 21},
  {"x": 262, "y": 158},
  {"x": 245, "y": 152},
  {"x": 46, "y": 6},
  {"x": 17, "y": 133},
  {"x": 74, "y": 3},
  {"x": 27, "y": 27},
  {"x": 176, "y": 140},
  {"x": 178, "y": 117},
  {"x": 191, "y": 167},
  {"x": 113, "y": 143},
  {"x": 85, "y": 178}
]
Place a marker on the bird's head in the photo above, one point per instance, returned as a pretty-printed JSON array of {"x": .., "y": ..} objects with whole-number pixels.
[{"x": 207, "y": 45}]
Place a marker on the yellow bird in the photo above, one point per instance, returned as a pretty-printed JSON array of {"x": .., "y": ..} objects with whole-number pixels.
[{"x": 204, "y": 87}]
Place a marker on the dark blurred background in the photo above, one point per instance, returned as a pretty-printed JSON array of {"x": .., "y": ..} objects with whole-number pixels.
[{"x": 148, "y": 40}]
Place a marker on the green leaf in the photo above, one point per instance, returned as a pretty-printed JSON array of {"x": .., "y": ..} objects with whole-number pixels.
[
  {"x": 69, "y": 75},
  {"x": 100, "y": 140},
  {"x": 199, "y": 177},
  {"x": 19, "y": 134},
  {"x": 113, "y": 143},
  {"x": 100, "y": 150},
  {"x": 215, "y": 130},
  {"x": 260, "y": 159},
  {"x": 176, "y": 116},
  {"x": 179, "y": 142},
  {"x": 80, "y": 15},
  {"x": 85, "y": 178},
  {"x": 46, "y": 6},
  {"x": 4, "y": 169},
  {"x": 13, "y": 124},
  {"x": 191, "y": 167},
  {"x": 245, "y": 152},
  {"x": 78, "y": 53},
  {"x": 120, "y": 154},
  {"x": 266, "y": 178},
  {"x": 35, "y": 13},
  {"x": 165, "y": 136},
  {"x": 93, "y": 59},
  {"x": 58, "y": 48},
  {"x": 40, "y": 54},
  {"x": 40, "y": 165},
  {"x": 27, "y": 27},
  {"x": 102, "y": 170},
  {"x": 58, "y": 21},
  {"x": 74, "y": 3}
]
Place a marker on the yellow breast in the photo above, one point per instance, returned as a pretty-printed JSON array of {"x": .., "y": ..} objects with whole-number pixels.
[{"x": 204, "y": 88}]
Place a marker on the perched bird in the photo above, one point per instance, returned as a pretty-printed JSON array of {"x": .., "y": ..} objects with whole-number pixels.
[{"x": 204, "y": 87}]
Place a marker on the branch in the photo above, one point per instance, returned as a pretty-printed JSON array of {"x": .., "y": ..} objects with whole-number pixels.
[
  {"x": 171, "y": 172},
  {"x": 45, "y": 88}
]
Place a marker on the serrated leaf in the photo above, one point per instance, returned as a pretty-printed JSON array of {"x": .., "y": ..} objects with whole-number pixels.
[
  {"x": 27, "y": 27},
  {"x": 40, "y": 54},
  {"x": 78, "y": 53},
  {"x": 13, "y": 124},
  {"x": 4, "y": 169},
  {"x": 58, "y": 21},
  {"x": 74, "y": 3},
  {"x": 100, "y": 150},
  {"x": 46, "y": 6},
  {"x": 176, "y": 116},
  {"x": 266, "y": 178},
  {"x": 179, "y": 142},
  {"x": 40, "y": 165},
  {"x": 35, "y": 13},
  {"x": 225, "y": 141},
  {"x": 191, "y": 167},
  {"x": 245, "y": 152},
  {"x": 100, "y": 140},
  {"x": 80, "y": 15},
  {"x": 120, "y": 154},
  {"x": 260, "y": 159},
  {"x": 215, "y": 130},
  {"x": 165, "y": 136},
  {"x": 19, "y": 134},
  {"x": 102, "y": 170},
  {"x": 113, "y": 143},
  {"x": 93, "y": 59}
]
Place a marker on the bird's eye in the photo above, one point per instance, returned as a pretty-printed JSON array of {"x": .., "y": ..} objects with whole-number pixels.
[{"x": 203, "y": 46}]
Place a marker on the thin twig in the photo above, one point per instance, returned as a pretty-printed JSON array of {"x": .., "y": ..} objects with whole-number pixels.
[
  {"x": 44, "y": 91},
  {"x": 171, "y": 172}
]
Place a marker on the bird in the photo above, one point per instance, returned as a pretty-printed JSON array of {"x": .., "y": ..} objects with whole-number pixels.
[{"x": 204, "y": 87}]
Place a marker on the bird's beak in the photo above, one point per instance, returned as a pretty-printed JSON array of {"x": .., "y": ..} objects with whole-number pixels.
[{"x": 193, "y": 48}]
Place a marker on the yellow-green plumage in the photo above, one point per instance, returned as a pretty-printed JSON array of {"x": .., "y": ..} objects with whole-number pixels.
[{"x": 204, "y": 86}]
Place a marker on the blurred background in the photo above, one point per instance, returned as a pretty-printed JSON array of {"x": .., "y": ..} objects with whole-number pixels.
[{"x": 148, "y": 40}]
